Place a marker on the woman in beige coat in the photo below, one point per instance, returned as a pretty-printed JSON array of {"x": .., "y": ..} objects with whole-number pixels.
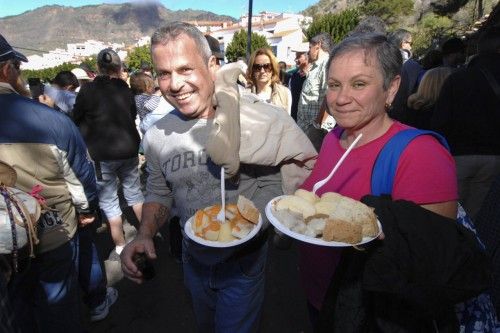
[{"x": 263, "y": 79}]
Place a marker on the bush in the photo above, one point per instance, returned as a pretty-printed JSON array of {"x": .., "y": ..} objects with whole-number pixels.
[
  {"x": 238, "y": 46},
  {"x": 48, "y": 74},
  {"x": 431, "y": 30},
  {"x": 138, "y": 56},
  {"x": 390, "y": 11},
  {"x": 337, "y": 25}
]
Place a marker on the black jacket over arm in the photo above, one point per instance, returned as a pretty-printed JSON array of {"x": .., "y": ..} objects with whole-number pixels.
[{"x": 410, "y": 281}]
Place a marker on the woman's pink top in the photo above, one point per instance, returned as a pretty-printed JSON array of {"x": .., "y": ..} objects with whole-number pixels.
[{"x": 425, "y": 174}]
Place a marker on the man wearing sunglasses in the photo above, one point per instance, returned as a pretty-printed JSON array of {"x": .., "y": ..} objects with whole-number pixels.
[
  {"x": 46, "y": 149},
  {"x": 314, "y": 88}
]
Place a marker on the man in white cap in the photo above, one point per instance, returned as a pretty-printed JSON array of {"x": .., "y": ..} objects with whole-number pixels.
[{"x": 82, "y": 77}]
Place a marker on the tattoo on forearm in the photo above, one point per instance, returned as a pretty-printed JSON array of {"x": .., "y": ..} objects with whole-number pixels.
[{"x": 160, "y": 216}]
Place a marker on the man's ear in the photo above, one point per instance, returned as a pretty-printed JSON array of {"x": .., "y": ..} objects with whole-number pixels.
[
  {"x": 212, "y": 66},
  {"x": 393, "y": 89}
]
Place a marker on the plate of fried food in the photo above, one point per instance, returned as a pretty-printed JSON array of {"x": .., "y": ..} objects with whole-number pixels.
[
  {"x": 243, "y": 221},
  {"x": 330, "y": 220}
]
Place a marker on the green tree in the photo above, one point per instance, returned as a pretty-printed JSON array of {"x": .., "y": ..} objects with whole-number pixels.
[
  {"x": 138, "y": 56},
  {"x": 91, "y": 62},
  {"x": 388, "y": 10},
  {"x": 47, "y": 74},
  {"x": 238, "y": 46},
  {"x": 337, "y": 25},
  {"x": 430, "y": 31}
]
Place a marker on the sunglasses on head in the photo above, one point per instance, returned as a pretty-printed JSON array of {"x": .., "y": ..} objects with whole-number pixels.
[{"x": 257, "y": 67}]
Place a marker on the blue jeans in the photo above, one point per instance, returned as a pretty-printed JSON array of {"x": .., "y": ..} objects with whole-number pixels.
[
  {"x": 91, "y": 274},
  {"x": 227, "y": 297},
  {"x": 7, "y": 316},
  {"x": 108, "y": 173},
  {"x": 46, "y": 296}
]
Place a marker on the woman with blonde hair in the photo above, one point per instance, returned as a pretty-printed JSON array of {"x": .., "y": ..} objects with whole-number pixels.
[
  {"x": 421, "y": 103},
  {"x": 263, "y": 78}
]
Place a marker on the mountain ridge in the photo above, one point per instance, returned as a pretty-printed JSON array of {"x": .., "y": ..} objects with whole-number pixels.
[{"x": 53, "y": 26}]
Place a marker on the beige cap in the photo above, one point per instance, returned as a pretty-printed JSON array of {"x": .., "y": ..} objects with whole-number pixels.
[
  {"x": 302, "y": 47},
  {"x": 80, "y": 74}
]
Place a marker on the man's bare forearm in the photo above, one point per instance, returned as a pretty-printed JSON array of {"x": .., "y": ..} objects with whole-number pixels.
[{"x": 154, "y": 216}]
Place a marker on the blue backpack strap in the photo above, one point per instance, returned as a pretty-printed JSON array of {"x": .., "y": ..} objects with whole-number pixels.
[{"x": 384, "y": 170}]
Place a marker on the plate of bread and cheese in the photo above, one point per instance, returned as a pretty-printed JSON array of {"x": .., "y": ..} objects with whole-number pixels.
[
  {"x": 242, "y": 222},
  {"x": 330, "y": 220}
]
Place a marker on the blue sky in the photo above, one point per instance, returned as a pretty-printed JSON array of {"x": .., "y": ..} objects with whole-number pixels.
[{"x": 224, "y": 7}]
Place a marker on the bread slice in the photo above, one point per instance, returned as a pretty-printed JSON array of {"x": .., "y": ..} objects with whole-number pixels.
[
  {"x": 248, "y": 210},
  {"x": 342, "y": 231},
  {"x": 331, "y": 197},
  {"x": 241, "y": 228},
  {"x": 201, "y": 221},
  {"x": 370, "y": 226},
  {"x": 231, "y": 211},
  {"x": 288, "y": 218},
  {"x": 316, "y": 217},
  {"x": 212, "y": 210},
  {"x": 324, "y": 207},
  {"x": 344, "y": 208},
  {"x": 296, "y": 204},
  {"x": 212, "y": 231},
  {"x": 309, "y": 196},
  {"x": 225, "y": 234},
  {"x": 317, "y": 224}
]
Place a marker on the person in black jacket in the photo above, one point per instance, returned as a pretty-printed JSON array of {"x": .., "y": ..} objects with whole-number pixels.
[
  {"x": 467, "y": 113},
  {"x": 105, "y": 112}
]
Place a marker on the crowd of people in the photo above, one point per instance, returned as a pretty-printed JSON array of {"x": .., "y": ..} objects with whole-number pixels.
[{"x": 274, "y": 131}]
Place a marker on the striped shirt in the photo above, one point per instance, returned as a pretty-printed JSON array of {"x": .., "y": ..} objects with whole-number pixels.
[{"x": 313, "y": 92}]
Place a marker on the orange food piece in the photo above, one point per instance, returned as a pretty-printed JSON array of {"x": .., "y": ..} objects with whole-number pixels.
[
  {"x": 214, "y": 225},
  {"x": 212, "y": 210},
  {"x": 208, "y": 227}
]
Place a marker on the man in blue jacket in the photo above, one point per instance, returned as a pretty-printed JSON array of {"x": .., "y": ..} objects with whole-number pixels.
[{"x": 46, "y": 150}]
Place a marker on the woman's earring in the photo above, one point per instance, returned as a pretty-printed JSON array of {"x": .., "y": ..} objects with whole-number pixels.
[{"x": 388, "y": 106}]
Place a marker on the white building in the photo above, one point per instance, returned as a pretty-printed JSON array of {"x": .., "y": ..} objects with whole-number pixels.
[
  {"x": 145, "y": 40},
  {"x": 86, "y": 49},
  {"x": 47, "y": 60},
  {"x": 282, "y": 31},
  {"x": 74, "y": 53},
  {"x": 211, "y": 26},
  {"x": 122, "y": 54}
]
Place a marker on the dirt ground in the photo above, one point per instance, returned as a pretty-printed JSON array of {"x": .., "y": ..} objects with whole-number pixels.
[{"x": 163, "y": 304}]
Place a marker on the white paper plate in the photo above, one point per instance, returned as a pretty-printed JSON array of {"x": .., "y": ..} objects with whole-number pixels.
[
  {"x": 189, "y": 232},
  {"x": 317, "y": 241}
]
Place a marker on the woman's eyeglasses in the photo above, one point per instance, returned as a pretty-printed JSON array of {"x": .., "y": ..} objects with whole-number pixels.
[{"x": 257, "y": 67}]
